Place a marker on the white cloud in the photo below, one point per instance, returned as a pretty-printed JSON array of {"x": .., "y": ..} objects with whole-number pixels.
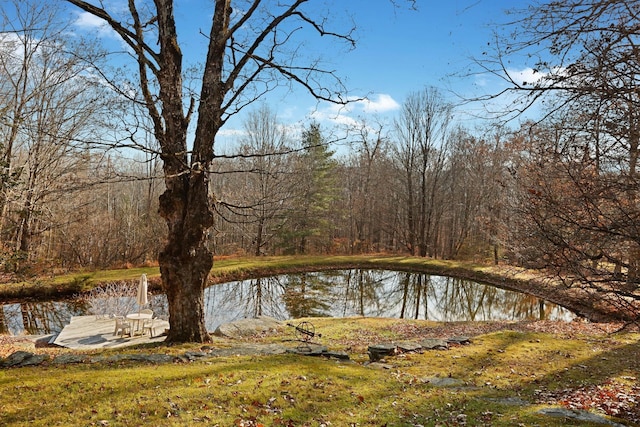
[
  {"x": 381, "y": 104},
  {"x": 330, "y": 115},
  {"x": 344, "y": 114},
  {"x": 526, "y": 76},
  {"x": 231, "y": 132},
  {"x": 88, "y": 22},
  {"x": 530, "y": 76}
]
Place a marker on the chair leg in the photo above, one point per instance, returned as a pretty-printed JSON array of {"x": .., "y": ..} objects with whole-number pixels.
[{"x": 121, "y": 330}]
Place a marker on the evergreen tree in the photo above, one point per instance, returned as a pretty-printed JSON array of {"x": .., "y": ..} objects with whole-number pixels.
[{"x": 309, "y": 227}]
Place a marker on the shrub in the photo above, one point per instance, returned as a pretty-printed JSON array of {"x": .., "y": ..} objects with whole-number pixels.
[{"x": 112, "y": 299}]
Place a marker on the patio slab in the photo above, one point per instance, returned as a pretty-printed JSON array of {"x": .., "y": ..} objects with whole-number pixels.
[{"x": 91, "y": 332}]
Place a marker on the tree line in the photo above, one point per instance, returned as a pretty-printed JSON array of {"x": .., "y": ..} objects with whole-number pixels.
[{"x": 417, "y": 185}]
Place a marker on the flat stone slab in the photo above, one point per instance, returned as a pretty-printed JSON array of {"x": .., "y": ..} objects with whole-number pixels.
[
  {"x": 308, "y": 349},
  {"x": 408, "y": 346},
  {"x": 434, "y": 344},
  {"x": 573, "y": 414},
  {"x": 459, "y": 340},
  {"x": 380, "y": 351},
  {"x": 317, "y": 350},
  {"x": 244, "y": 328},
  {"x": 91, "y": 332},
  {"x": 444, "y": 382}
]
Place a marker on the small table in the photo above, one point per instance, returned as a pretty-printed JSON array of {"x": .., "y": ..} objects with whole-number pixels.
[{"x": 137, "y": 317}]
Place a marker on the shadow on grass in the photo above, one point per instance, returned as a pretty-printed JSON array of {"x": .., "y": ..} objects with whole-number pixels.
[
  {"x": 517, "y": 368},
  {"x": 310, "y": 391}
]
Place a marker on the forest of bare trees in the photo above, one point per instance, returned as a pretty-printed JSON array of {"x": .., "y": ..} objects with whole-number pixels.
[{"x": 384, "y": 191}]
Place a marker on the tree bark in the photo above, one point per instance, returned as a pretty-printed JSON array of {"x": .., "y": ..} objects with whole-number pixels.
[{"x": 185, "y": 261}]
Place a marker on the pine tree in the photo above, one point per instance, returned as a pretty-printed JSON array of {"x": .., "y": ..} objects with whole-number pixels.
[{"x": 309, "y": 227}]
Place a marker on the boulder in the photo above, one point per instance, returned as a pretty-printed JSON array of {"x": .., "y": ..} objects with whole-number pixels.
[
  {"x": 244, "y": 328},
  {"x": 23, "y": 358},
  {"x": 380, "y": 351}
]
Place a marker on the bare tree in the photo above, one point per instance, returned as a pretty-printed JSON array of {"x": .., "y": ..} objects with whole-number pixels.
[
  {"x": 421, "y": 132},
  {"x": 268, "y": 188},
  {"x": 579, "y": 175},
  {"x": 251, "y": 48},
  {"x": 366, "y": 176},
  {"x": 474, "y": 194},
  {"x": 51, "y": 101}
]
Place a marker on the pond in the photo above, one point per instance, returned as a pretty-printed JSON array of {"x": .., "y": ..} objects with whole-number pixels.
[{"x": 344, "y": 293}]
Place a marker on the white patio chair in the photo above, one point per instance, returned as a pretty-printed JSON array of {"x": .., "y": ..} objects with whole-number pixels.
[
  {"x": 122, "y": 327},
  {"x": 148, "y": 325}
]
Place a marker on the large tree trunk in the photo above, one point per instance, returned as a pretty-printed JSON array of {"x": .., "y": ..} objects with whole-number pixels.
[{"x": 185, "y": 261}]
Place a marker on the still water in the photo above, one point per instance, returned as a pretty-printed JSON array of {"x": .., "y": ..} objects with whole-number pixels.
[{"x": 370, "y": 293}]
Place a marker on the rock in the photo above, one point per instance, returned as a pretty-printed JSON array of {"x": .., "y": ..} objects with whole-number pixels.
[
  {"x": 382, "y": 366},
  {"x": 248, "y": 327},
  {"x": 311, "y": 349},
  {"x": 269, "y": 349},
  {"x": 63, "y": 359},
  {"x": 308, "y": 349},
  {"x": 444, "y": 382},
  {"x": 193, "y": 355},
  {"x": 434, "y": 344},
  {"x": 16, "y": 358},
  {"x": 340, "y": 355},
  {"x": 23, "y": 358},
  {"x": 379, "y": 351},
  {"x": 577, "y": 415},
  {"x": 408, "y": 346},
  {"x": 459, "y": 340},
  {"x": 159, "y": 358},
  {"x": 249, "y": 350},
  {"x": 36, "y": 359}
]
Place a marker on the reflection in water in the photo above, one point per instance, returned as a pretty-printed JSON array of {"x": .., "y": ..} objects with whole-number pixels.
[
  {"x": 370, "y": 293},
  {"x": 37, "y": 318}
]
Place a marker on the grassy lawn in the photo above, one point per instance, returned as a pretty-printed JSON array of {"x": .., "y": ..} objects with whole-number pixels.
[{"x": 504, "y": 377}]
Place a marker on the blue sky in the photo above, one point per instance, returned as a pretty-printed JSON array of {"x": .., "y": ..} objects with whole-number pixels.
[{"x": 398, "y": 51}]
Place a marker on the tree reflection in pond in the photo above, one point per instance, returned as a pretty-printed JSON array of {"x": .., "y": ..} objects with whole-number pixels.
[
  {"x": 306, "y": 294},
  {"x": 371, "y": 293},
  {"x": 38, "y": 318}
]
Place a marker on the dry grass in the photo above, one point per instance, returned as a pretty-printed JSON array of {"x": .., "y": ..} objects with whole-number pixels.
[{"x": 533, "y": 361}]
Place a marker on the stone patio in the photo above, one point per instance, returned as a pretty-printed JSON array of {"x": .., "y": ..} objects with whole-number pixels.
[{"x": 92, "y": 332}]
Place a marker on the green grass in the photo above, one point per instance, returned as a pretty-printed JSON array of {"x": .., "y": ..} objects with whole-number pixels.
[
  {"x": 225, "y": 270},
  {"x": 291, "y": 390}
]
